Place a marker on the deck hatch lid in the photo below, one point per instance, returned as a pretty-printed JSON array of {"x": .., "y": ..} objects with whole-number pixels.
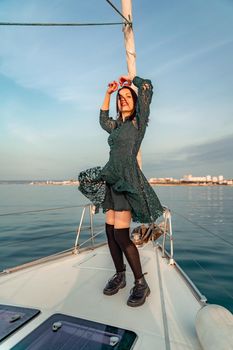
[
  {"x": 14, "y": 317},
  {"x": 68, "y": 332}
]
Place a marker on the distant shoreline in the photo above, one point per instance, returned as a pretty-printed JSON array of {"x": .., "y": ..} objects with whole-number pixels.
[
  {"x": 190, "y": 184},
  {"x": 76, "y": 183},
  {"x": 55, "y": 183}
]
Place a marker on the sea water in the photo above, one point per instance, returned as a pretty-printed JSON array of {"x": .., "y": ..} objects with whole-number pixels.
[{"x": 201, "y": 217}]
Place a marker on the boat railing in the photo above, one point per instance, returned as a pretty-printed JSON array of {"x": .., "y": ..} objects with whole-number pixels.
[
  {"x": 89, "y": 210},
  {"x": 87, "y": 214},
  {"x": 165, "y": 225}
]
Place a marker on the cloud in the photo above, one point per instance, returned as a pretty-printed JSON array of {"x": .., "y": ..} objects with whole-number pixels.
[
  {"x": 191, "y": 55},
  {"x": 216, "y": 154},
  {"x": 216, "y": 151},
  {"x": 28, "y": 134}
]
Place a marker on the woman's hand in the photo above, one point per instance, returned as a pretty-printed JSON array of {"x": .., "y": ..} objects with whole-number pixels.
[
  {"x": 125, "y": 80},
  {"x": 112, "y": 87}
]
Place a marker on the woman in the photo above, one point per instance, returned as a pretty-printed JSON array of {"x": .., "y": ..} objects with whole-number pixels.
[{"x": 120, "y": 187}]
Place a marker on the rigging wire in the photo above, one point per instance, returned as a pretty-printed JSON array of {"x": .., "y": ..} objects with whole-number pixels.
[
  {"x": 198, "y": 263},
  {"x": 213, "y": 278},
  {"x": 40, "y": 210},
  {"x": 41, "y": 24},
  {"x": 80, "y": 206},
  {"x": 204, "y": 228},
  {"x": 32, "y": 239},
  {"x": 58, "y": 24},
  {"x": 114, "y": 7}
]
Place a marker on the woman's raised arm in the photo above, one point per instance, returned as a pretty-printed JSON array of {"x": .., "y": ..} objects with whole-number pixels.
[
  {"x": 145, "y": 92},
  {"x": 106, "y": 122}
]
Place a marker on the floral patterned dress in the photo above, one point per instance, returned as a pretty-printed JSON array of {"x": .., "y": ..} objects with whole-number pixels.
[{"x": 122, "y": 171}]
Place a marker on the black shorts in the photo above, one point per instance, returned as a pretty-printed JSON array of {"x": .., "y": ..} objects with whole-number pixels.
[{"x": 115, "y": 200}]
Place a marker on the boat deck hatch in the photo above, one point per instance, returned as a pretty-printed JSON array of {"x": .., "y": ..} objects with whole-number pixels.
[
  {"x": 14, "y": 317},
  {"x": 68, "y": 333}
]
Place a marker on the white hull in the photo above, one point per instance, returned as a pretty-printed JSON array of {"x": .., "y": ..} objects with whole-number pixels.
[{"x": 73, "y": 284}]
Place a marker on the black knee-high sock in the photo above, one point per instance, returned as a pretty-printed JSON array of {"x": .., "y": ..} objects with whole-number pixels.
[
  {"x": 115, "y": 249},
  {"x": 130, "y": 250}
]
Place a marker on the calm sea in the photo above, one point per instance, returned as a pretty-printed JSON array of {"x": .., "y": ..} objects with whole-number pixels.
[{"x": 202, "y": 227}]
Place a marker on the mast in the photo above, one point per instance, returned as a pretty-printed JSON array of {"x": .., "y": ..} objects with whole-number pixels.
[
  {"x": 129, "y": 38},
  {"x": 130, "y": 48}
]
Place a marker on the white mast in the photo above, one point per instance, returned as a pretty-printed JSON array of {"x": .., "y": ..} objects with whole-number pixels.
[
  {"x": 129, "y": 38},
  {"x": 130, "y": 48}
]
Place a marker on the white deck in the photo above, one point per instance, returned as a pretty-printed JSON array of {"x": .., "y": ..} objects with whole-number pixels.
[{"x": 73, "y": 285}]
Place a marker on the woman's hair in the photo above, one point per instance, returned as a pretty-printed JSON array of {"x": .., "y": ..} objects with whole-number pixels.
[{"x": 135, "y": 98}]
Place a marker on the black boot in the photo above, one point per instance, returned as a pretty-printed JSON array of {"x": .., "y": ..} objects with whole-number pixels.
[
  {"x": 115, "y": 283},
  {"x": 139, "y": 293}
]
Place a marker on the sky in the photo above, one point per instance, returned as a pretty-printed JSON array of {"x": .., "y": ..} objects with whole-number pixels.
[{"x": 53, "y": 80}]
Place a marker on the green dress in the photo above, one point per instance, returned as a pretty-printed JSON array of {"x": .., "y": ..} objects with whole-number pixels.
[{"x": 122, "y": 172}]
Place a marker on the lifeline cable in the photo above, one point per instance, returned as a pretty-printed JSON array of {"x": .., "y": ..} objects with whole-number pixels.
[
  {"x": 213, "y": 278},
  {"x": 203, "y": 228},
  {"x": 41, "y": 210},
  {"x": 198, "y": 263},
  {"x": 32, "y": 239}
]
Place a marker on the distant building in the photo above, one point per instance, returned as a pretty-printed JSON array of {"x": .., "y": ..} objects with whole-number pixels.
[
  {"x": 220, "y": 179},
  {"x": 204, "y": 179},
  {"x": 192, "y": 180}
]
